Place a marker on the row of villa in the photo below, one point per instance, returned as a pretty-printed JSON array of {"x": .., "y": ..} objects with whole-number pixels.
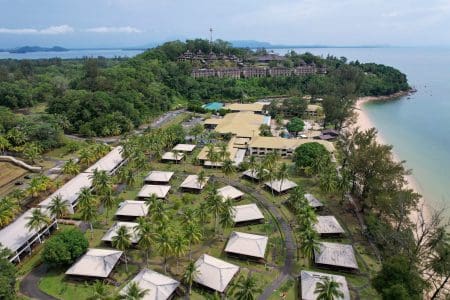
[
  {"x": 250, "y": 72},
  {"x": 20, "y": 240}
]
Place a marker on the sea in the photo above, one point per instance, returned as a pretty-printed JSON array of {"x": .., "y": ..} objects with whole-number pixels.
[{"x": 418, "y": 125}]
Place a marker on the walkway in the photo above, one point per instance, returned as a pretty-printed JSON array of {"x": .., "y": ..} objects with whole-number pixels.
[
  {"x": 29, "y": 285},
  {"x": 289, "y": 239}
]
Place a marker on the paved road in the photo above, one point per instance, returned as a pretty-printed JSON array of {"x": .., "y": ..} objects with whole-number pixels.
[
  {"x": 29, "y": 284},
  {"x": 289, "y": 239}
]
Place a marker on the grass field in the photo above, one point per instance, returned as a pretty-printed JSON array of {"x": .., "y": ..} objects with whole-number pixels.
[{"x": 9, "y": 172}]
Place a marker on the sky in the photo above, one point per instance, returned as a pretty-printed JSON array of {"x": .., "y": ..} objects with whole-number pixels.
[{"x": 135, "y": 23}]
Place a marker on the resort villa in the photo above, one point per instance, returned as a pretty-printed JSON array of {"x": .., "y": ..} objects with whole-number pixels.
[
  {"x": 328, "y": 226},
  {"x": 158, "y": 177},
  {"x": 309, "y": 280},
  {"x": 214, "y": 273},
  {"x": 112, "y": 232},
  {"x": 95, "y": 263},
  {"x": 159, "y": 286},
  {"x": 230, "y": 192},
  {"x": 336, "y": 256},
  {"x": 247, "y": 245},
  {"x": 131, "y": 209},
  {"x": 243, "y": 214}
]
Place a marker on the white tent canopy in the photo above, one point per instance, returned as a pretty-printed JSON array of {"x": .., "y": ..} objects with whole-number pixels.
[
  {"x": 247, "y": 244},
  {"x": 229, "y": 192},
  {"x": 214, "y": 273},
  {"x": 95, "y": 263},
  {"x": 246, "y": 213},
  {"x": 132, "y": 208},
  {"x": 310, "y": 279},
  {"x": 281, "y": 186},
  {"x": 160, "y": 191},
  {"x": 328, "y": 225},
  {"x": 159, "y": 286},
  {"x": 131, "y": 228},
  {"x": 335, "y": 254},
  {"x": 191, "y": 182},
  {"x": 158, "y": 176}
]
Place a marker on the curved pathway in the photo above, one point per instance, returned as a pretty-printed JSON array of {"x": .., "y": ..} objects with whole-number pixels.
[
  {"x": 288, "y": 236},
  {"x": 29, "y": 286}
]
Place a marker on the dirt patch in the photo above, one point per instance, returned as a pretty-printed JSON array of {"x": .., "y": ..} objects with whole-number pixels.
[{"x": 9, "y": 173}]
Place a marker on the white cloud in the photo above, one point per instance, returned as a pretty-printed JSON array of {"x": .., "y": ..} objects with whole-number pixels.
[
  {"x": 124, "y": 29},
  {"x": 61, "y": 29}
]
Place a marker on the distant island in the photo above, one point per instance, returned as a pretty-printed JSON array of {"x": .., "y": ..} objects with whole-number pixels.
[{"x": 28, "y": 49}]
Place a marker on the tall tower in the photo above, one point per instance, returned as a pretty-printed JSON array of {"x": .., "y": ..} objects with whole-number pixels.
[{"x": 210, "y": 39}]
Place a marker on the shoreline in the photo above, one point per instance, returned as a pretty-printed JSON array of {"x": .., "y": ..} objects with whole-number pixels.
[{"x": 364, "y": 122}]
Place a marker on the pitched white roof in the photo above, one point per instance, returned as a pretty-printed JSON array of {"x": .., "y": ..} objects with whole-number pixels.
[
  {"x": 171, "y": 156},
  {"x": 108, "y": 162},
  {"x": 252, "y": 173},
  {"x": 214, "y": 273},
  {"x": 281, "y": 185},
  {"x": 335, "y": 254},
  {"x": 95, "y": 263},
  {"x": 159, "y": 176},
  {"x": 70, "y": 190},
  {"x": 247, "y": 244},
  {"x": 310, "y": 279},
  {"x": 191, "y": 182},
  {"x": 246, "y": 212},
  {"x": 132, "y": 208},
  {"x": 16, "y": 234},
  {"x": 159, "y": 286},
  {"x": 184, "y": 147},
  {"x": 313, "y": 201},
  {"x": 112, "y": 232},
  {"x": 160, "y": 191},
  {"x": 229, "y": 192},
  {"x": 328, "y": 225}
]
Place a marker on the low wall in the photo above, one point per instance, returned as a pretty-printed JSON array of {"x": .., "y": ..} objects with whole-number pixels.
[{"x": 19, "y": 163}]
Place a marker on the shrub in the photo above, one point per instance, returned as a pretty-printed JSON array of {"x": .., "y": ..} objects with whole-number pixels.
[
  {"x": 65, "y": 247},
  {"x": 309, "y": 153}
]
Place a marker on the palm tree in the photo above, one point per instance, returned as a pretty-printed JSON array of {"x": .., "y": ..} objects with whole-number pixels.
[
  {"x": 9, "y": 207},
  {"x": 35, "y": 187},
  {"x": 328, "y": 289},
  {"x": 282, "y": 174},
  {"x": 134, "y": 292},
  {"x": 100, "y": 180},
  {"x": 88, "y": 210},
  {"x": 224, "y": 154},
  {"x": 214, "y": 202},
  {"x": 211, "y": 153},
  {"x": 4, "y": 144},
  {"x": 226, "y": 217},
  {"x": 246, "y": 288},
  {"x": 58, "y": 207},
  {"x": 189, "y": 275},
  {"x": 146, "y": 235},
  {"x": 228, "y": 168},
  {"x": 37, "y": 220},
  {"x": 108, "y": 201},
  {"x": 122, "y": 241},
  {"x": 202, "y": 213},
  {"x": 177, "y": 154},
  {"x": 100, "y": 291},
  {"x": 309, "y": 243},
  {"x": 164, "y": 242},
  {"x": 71, "y": 167},
  {"x": 179, "y": 247},
  {"x": 32, "y": 151},
  {"x": 328, "y": 179},
  {"x": 201, "y": 178},
  {"x": 193, "y": 234},
  {"x": 127, "y": 176},
  {"x": 87, "y": 157}
]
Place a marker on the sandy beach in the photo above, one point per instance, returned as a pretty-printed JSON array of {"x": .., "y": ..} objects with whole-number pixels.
[{"x": 364, "y": 122}]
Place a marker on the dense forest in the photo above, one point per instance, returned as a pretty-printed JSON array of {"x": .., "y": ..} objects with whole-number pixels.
[{"x": 104, "y": 97}]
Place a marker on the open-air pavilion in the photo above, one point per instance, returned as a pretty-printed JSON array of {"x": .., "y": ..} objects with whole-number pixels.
[
  {"x": 309, "y": 280},
  {"x": 95, "y": 263},
  {"x": 191, "y": 183},
  {"x": 160, "y": 191},
  {"x": 230, "y": 192},
  {"x": 313, "y": 201},
  {"x": 131, "y": 228},
  {"x": 130, "y": 209},
  {"x": 158, "y": 177},
  {"x": 280, "y": 186},
  {"x": 247, "y": 213},
  {"x": 159, "y": 286},
  {"x": 328, "y": 225},
  {"x": 184, "y": 148},
  {"x": 214, "y": 273},
  {"x": 172, "y": 156},
  {"x": 335, "y": 255},
  {"x": 246, "y": 244}
]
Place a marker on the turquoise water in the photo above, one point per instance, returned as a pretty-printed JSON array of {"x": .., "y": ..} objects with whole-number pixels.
[
  {"x": 213, "y": 106},
  {"x": 419, "y": 127}
]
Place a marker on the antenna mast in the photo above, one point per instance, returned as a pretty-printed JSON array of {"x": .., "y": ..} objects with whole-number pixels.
[{"x": 210, "y": 39}]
